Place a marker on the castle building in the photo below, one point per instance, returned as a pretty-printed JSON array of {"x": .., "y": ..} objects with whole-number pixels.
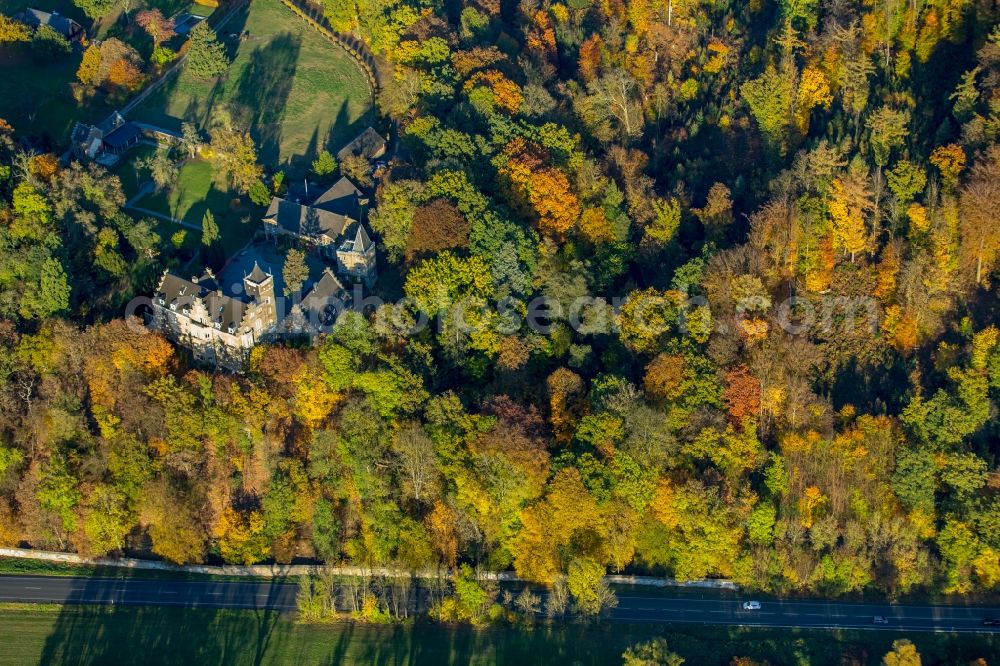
[
  {"x": 223, "y": 327},
  {"x": 217, "y": 328},
  {"x": 324, "y": 302},
  {"x": 331, "y": 225}
]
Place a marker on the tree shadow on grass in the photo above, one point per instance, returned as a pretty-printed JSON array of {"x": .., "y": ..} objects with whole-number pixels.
[
  {"x": 174, "y": 631},
  {"x": 199, "y": 111},
  {"x": 344, "y": 129},
  {"x": 340, "y": 132},
  {"x": 261, "y": 93},
  {"x": 179, "y": 632},
  {"x": 299, "y": 166},
  {"x": 424, "y": 642},
  {"x": 198, "y": 108}
]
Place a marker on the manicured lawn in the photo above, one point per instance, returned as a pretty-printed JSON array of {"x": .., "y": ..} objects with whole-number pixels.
[
  {"x": 83, "y": 635},
  {"x": 296, "y": 92},
  {"x": 131, "y": 177},
  {"x": 196, "y": 191},
  {"x": 194, "y": 9}
]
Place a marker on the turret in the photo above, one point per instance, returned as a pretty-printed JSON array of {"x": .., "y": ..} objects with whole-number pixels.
[{"x": 259, "y": 285}]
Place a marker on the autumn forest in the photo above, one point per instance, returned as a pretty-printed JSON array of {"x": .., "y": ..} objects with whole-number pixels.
[{"x": 764, "y": 239}]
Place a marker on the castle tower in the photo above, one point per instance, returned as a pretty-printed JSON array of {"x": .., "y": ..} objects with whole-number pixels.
[{"x": 260, "y": 287}]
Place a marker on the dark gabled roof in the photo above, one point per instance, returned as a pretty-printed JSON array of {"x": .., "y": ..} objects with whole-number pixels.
[
  {"x": 224, "y": 310},
  {"x": 327, "y": 287},
  {"x": 206, "y": 281},
  {"x": 87, "y": 137},
  {"x": 369, "y": 144},
  {"x": 357, "y": 239},
  {"x": 179, "y": 292},
  {"x": 90, "y": 137},
  {"x": 342, "y": 198},
  {"x": 325, "y": 300},
  {"x": 66, "y": 27},
  {"x": 123, "y": 136},
  {"x": 111, "y": 123},
  {"x": 305, "y": 220}
]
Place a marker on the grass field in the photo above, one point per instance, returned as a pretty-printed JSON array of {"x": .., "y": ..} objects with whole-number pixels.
[
  {"x": 130, "y": 177},
  {"x": 85, "y": 635},
  {"x": 195, "y": 9},
  {"x": 295, "y": 92},
  {"x": 35, "y": 98},
  {"x": 196, "y": 191},
  {"x": 51, "y": 634}
]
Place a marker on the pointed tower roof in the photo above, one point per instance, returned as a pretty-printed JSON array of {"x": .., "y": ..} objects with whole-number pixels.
[
  {"x": 362, "y": 241},
  {"x": 257, "y": 275}
]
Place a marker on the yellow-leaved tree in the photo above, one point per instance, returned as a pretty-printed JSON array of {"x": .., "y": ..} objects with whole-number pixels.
[{"x": 849, "y": 201}]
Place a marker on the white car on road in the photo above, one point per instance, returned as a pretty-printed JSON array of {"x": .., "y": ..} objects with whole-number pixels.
[{"x": 751, "y": 605}]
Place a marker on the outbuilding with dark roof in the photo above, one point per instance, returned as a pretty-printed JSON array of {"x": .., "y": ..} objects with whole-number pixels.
[
  {"x": 66, "y": 27},
  {"x": 123, "y": 138},
  {"x": 369, "y": 144}
]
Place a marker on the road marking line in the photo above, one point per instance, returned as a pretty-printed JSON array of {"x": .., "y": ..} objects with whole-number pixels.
[
  {"x": 861, "y": 627},
  {"x": 792, "y": 604},
  {"x": 152, "y": 602},
  {"x": 32, "y": 588}
]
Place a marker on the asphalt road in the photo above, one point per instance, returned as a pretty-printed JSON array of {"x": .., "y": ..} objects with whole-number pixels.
[
  {"x": 132, "y": 592},
  {"x": 804, "y": 614},
  {"x": 631, "y": 607}
]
